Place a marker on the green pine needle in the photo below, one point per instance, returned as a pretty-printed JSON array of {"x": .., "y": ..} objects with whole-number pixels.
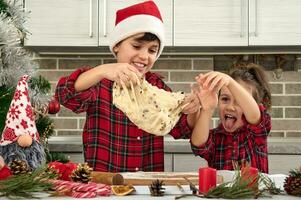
[
  {"x": 56, "y": 156},
  {"x": 25, "y": 185},
  {"x": 40, "y": 84}
]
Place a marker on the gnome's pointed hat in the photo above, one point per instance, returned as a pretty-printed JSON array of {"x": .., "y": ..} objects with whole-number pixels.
[{"x": 20, "y": 117}]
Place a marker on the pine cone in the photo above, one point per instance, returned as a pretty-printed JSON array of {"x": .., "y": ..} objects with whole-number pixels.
[
  {"x": 156, "y": 188},
  {"x": 52, "y": 172},
  {"x": 82, "y": 173},
  {"x": 292, "y": 183},
  {"x": 19, "y": 167}
]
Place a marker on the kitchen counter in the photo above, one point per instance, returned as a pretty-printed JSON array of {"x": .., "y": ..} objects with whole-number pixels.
[
  {"x": 166, "y": 197},
  {"x": 171, "y": 191},
  {"x": 284, "y": 154},
  {"x": 275, "y": 145}
]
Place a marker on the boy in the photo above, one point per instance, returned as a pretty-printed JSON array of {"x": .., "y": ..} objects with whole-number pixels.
[{"x": 111, "y": 141}]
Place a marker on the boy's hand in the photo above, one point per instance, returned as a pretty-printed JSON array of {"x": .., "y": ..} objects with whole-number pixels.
[
  {"x": 121, "y": 73},
  {"x": 192, "y": 103}
]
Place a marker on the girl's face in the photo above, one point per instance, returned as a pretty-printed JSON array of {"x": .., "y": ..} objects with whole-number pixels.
[
  {"x": 230, "y": 112},
  {"x": 140, "y": 54}
]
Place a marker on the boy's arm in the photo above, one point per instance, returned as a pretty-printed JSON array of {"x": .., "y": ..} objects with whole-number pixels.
[
  {"x": 246, "y": 101},
  {"x": 115, "y": 72}
]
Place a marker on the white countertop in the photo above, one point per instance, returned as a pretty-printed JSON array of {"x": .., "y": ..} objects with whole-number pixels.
[{"x": 275, "y": 145}]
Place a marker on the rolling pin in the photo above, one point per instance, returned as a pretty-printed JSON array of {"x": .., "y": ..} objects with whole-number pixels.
[{"x": 107, "y": 178}]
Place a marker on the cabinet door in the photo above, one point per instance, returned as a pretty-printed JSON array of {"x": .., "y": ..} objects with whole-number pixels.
[
  {"x": 62, "y": 22},
  {"x": 275, "y": 22},
  {"x": 210, "y": 23},
  {"x": 107, "y": 15}
]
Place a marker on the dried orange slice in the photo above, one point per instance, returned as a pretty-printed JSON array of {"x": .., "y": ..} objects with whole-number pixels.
[{"x": 122, "y": 190}]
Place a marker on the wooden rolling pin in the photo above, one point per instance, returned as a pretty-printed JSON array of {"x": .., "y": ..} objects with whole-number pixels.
[{"x": 107, "y": 178}]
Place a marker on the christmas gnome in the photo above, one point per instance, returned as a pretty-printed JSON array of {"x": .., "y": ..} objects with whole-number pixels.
[{"x": 20, "y": 138}]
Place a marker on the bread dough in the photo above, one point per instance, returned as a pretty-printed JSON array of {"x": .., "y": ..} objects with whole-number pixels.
[{"x": 153, "y": 110}]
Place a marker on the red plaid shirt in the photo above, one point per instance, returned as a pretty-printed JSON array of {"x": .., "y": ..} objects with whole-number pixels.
[
  {"x": 111, "y": 141},
  {"x": 248, "y": 144}
]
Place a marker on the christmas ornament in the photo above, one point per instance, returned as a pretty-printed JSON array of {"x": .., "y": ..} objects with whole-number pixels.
[
  {"x": 19, "y": 167},
  {"x": 15, "y": 143},
  {"x": 51, "y": 171},
  {"x": 122, "y": 190},
  {"x": 64, "y": 169},
  {"x": 82, "y": 173},
  {"x": 53, "y": 106},
  {"x": 292, "y": 184},
  {"x": 156, "y": 188}
]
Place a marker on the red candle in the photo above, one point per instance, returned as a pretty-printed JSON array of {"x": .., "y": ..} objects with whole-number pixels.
[
  {"x": 207, "y": 179},
  {"x": 250, "y": 175}
]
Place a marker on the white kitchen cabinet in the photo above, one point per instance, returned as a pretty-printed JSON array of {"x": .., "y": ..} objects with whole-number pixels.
[
  {"x": 211, "y": 23},
  {"x": 275, "y": 22},
  {"x": 107, "y": 13},
  {"x": 62, "y": 23},
  {"x": 187, "y": 23}
]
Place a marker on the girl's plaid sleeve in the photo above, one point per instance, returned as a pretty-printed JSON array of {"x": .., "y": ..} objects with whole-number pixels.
[
  {"x": 264, "y": 126},
  {"x": 68, "y": 97},
  {"x": 205, "y": 150}
]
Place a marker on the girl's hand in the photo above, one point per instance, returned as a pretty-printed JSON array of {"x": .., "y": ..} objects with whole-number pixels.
[
  {"x": 208, "y": 98},
  {"x": 121, "y": 73},
  {"x": 213, "y": 80}
]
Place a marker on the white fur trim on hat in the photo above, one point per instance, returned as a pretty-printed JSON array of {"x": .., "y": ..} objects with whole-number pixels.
[{"x": 137, "y": 24}]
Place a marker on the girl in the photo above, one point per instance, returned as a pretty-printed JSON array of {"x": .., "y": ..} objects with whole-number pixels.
[{"x": 241, "y": 136}]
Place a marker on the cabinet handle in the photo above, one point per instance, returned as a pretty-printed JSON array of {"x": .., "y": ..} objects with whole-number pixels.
[
  {"x": 256, "y": 19},
  {"x": 91, "y": 19},
  {"x": 105, "y": 18},
  {"x": 242, "y": 18}
]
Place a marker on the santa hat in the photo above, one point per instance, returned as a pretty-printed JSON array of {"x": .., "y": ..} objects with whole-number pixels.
[
  {"x": 139, "y": 18},
  {"x": 20, "y": 117}
]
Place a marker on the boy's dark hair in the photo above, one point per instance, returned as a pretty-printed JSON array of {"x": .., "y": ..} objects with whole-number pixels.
[
  {"x": 148, "y": 37},
  {"x": 254, "y": 75}
]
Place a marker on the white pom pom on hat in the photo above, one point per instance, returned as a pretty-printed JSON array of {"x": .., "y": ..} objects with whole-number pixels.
[{"x": 138, "y": 18}]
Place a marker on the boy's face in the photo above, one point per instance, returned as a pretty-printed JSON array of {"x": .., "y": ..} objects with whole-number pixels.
[
  {"x": 140, "y": 54},
  {"x": 230, "y": 112}
]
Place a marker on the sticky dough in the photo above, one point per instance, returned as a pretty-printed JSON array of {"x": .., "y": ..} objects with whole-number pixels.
[{"x": 153, "y": 110}]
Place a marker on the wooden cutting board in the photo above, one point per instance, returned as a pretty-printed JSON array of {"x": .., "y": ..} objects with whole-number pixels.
[{"x": 169, "y": 178}]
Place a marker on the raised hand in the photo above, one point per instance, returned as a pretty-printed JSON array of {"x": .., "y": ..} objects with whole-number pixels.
[
  {"x": 191, "y": 103},
  {"x": 213, "y": 80},
  {"x": 121, "y": 73},
  {"x": 208, "y": 98}
]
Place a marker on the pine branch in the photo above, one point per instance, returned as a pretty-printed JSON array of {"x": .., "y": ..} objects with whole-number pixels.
[
  {"x": 269, "y": 184},
  {"x": 24, "y": 185},
  {"x": 3, "y": 6},
  {"x": 39, "y": 84}
]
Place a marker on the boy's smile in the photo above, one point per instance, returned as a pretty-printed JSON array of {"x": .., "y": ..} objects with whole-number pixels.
[{"x": 140, "y": 54}]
